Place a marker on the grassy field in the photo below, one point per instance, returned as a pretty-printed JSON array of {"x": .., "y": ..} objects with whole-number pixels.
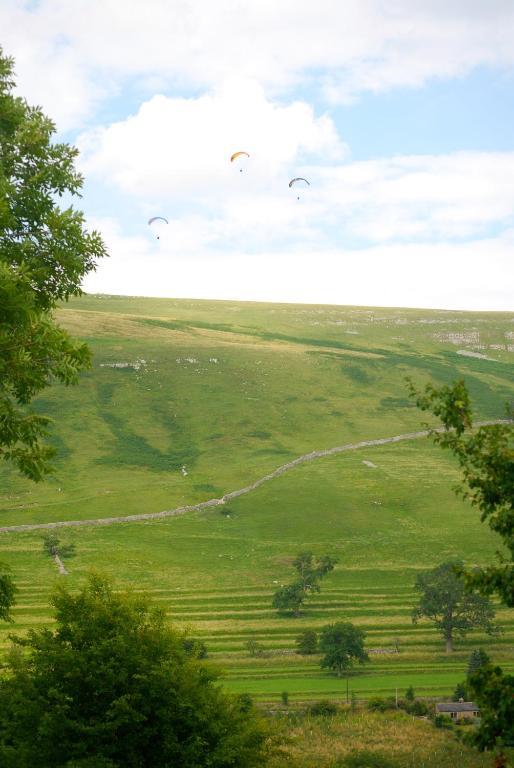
[
  {"x": 406, "y": 742},
  {"x": 188, "y": 400}
]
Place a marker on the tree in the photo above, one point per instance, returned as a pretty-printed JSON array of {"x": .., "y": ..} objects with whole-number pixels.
[
  {"x": 45, "y": 251},
  {"x": 53, "y": 546},
  {"x": 445, "y": 600},
  {"x": 112, "y": 686},
  {"x": 493, "y": 692},
  {"x": 486, "y": 457},
  {"x": 307, "y": 642},
  {"x": 477, "y": 659},
  {"x": 410, "y": 694},
  {"x": 291, "y": 597},
  {"x": 342, "y": 645},
  {"x": 7, "y": 593}
]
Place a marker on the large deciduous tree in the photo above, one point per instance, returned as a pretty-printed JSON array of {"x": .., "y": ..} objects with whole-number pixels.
[
  {"x": 113, "y": 686},
  {"x": 342, "y": 645},
  {"x": 454, "y": 610},
  {"x": 45, "y": 251}
]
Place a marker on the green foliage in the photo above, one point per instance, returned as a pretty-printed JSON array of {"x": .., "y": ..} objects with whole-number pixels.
[
  {"x": 323, "y": 708},
  {"x": 381, "y": 704},
  {"x": 52, "y": 545},
  {"x": 460, "y": 692},
  {"x": 44, "y": 254},
  {"x": 254, "y": 648},
  {"x": 409, "y": 694},
  {"x": 285, "y": 698},
  {"x": 7, "y": 593},
  {"x": 342, "y": 645},
  {"x": 446, "y": 601},
  {"x": 493, "y": 692},
  {"x": 477, "y": 659},
  {"x": 443, "y": 721},
  {"x": 112, "y": 685},
  {"x": 307, "y": 642},
  {"x": 366, "y": 759},
  {"x": 195, "y": 648},
  {"x": 486, "y": 457},
  {"x": 418, "y": 708},
  {"x": 290, "y": 598}
]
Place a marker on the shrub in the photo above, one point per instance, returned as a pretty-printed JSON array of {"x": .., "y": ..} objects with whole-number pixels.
[
  {"x": 409, "y": 694},
  {"x": 379, "y": 704},
  {"x": 443, "y": 721},
  {"x": 323, "y": 708},
  {"x": 285, "y": 698},
  {"x": 366, "y": 759},
  {"x": 418, "y": 708}
]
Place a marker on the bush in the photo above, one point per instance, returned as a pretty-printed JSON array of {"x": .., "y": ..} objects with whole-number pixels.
[
  {"x": 378, "y": 704},
  {"x": 285, "y": 698},
  {"x": 443, "y": 721},
  {"x": 366, "y": 759},
  {"x": 417, "y": 708},
  {"x": 323, "y": 708}
]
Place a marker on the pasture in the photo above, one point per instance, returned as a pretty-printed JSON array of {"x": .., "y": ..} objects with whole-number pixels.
[{"x": 189, "y": 400}]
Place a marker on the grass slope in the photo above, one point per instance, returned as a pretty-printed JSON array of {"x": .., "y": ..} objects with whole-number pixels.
[{"x": 229, "y": 391}]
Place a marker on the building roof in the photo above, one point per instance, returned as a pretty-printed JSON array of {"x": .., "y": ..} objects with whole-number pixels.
[{"x": 457, "y": 706}]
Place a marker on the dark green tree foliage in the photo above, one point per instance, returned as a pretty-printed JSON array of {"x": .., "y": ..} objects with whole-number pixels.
[
  {"x": 410, "y": 694},
  {"x": 460, "y": 692},
  {"x": 486, "y": 456},
  {"x": 342, "y": 645},
  {"x": 52, "y": 545},
  {"x": 310, "y": 570},
  {"x": 112, "y": 686},
  {"x": 445, "y": 600},
  {"x": 307, "y": 642},
  {"x": 45, "y": 251},
  {"x": 7, "y": 593},
  {"x": 289, "y": 599},
  {"x": 477, "y": 659},
  {"x": 493, "y": 691}
]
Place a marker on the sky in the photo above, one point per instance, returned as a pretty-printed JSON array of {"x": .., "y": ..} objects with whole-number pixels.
[{"x": 399, "y": 113}]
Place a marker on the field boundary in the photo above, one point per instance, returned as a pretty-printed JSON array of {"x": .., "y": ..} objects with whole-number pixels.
[{"x": 313, "y": 455}]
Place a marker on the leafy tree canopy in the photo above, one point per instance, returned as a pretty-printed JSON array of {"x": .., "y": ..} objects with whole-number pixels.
[
  {"x": 112, "y": 686},
  {"x": 342, "y": 645},
  {"x": 307, "y": 642},
  {"x": 310, "y": 570},
  {"x": 445, "y": 600},
  {"x": 7, "y": 593},
  {"x": 45, "y": 251}
]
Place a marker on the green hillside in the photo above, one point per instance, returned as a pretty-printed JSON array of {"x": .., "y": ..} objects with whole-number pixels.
[{"x": 190, "y": 400}]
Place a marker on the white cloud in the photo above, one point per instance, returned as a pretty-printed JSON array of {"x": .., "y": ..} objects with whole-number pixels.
[
  {"x": 174, "y": 148},
  {"x": 475, "y": 276},
  {"x": 71, "y": 54}
]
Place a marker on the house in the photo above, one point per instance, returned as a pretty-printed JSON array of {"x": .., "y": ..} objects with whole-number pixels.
[{"x": 458, "y": 710}]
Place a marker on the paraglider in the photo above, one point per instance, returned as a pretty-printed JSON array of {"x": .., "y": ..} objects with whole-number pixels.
[
  {"x": 298, "y": 180},
  {"x": 157, "y": 218},
  {"x": 238, "y": 156}
]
